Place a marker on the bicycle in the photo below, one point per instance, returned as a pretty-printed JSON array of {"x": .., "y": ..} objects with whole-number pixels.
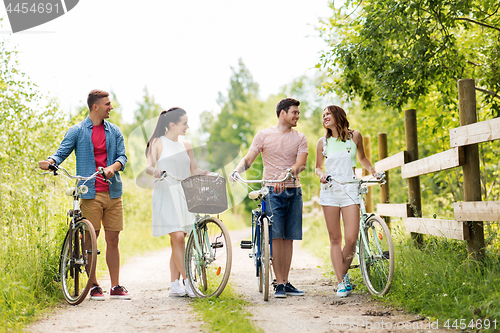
[
  {"x": 79, "y": 251},
  {"x": 261, "y": 243},
  {"x": 374, "y": 248},
  {"x": 208, "y": 255}
]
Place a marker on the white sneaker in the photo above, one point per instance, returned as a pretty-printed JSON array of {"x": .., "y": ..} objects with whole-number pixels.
[
  {"x": 176, "y": 290},
  {"x": 342, "y": 290},
  {"x": 187, "y": 287}
]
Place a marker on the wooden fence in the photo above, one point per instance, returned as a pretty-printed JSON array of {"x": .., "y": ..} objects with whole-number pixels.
[{"x": 464, "y": 152}]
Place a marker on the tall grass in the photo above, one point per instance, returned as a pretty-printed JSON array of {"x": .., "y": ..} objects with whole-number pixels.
[
  {"x": 440, "y": 280},
  {"x": 31, "y": 217}
]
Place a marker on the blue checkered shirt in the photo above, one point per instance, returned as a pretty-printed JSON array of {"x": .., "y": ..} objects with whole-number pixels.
[{"x": 79, "y": 139}]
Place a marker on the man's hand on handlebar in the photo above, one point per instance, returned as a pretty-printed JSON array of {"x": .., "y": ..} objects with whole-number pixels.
[{"x": 44, "y": 165}]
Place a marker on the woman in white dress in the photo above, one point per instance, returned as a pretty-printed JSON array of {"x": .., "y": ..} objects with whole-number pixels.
[
  {"x": 338, "y": 150},
  {"x": 165, "y": 152}
]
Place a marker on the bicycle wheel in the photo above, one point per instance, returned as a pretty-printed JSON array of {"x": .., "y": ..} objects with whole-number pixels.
[
  {"x": 208, "y": 263},
  {"x": 377, "y": 256},
  {"x": 78, "y": 261},
  {"x": 265, "y": 254}
]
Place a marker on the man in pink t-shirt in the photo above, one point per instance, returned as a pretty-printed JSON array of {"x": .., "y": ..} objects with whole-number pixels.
[{"x": 282, "y": 147}]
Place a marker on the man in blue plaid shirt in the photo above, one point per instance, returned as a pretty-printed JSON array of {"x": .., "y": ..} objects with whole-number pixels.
[{"x": 99, "y": 143}]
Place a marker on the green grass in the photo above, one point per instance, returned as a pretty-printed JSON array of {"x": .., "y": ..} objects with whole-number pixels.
[
  {"x": 437, "y": 280},
  {"x": 225, "y": 313}
]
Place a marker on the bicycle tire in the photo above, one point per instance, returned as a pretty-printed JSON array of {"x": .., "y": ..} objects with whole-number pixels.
[
  {"x": 260, "y": 279},
  {"x": 377, "y": 269},
  {"x": 265, "y": 257},
  {"x": 78, "y": 261},
  {"x": 208, "y": 274}
]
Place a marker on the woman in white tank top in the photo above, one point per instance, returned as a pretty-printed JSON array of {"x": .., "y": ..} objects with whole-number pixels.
[
  {"x": 338, "y": 150},
  {"x": 165, "y": 152}
]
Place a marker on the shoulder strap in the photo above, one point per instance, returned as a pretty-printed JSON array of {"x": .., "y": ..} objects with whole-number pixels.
[
  {"x": 348, "y": 141},
  {"x": 324, "y": 147}
]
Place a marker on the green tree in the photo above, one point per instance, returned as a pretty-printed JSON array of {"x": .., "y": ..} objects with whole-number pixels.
[{"x": 398, "y": 51}]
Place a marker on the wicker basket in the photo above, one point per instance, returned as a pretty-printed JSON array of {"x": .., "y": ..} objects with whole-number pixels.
[{"x": 205, "y": 194}]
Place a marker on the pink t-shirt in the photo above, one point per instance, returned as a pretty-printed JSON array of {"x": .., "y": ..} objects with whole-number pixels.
[{"x": 279, "y": 151}]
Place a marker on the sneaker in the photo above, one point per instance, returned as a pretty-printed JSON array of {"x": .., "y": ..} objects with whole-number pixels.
[
  {"x": 176, "y": 290},
  {"x": 119, "y": 292},
  {"x": 96, "y": 293},
  {"x": 341, "y": 290},
  {"x": 292, "y": 291},
  {"x": 188, "y": 289},
  {"x": 348, "y": 285},
  {"x": 280, "y": 291}
]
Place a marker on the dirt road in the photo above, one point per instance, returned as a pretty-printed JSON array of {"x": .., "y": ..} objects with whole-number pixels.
[{"x": 147, "y": 279}]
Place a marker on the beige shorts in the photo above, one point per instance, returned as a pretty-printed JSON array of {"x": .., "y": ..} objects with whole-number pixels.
[{"x": 105, "y": 209}]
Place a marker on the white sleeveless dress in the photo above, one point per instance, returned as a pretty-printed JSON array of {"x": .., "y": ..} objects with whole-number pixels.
[{"x": 170, "y": 212}]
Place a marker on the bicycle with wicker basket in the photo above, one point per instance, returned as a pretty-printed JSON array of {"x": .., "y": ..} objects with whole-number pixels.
[{"x": 208, "y": 254}]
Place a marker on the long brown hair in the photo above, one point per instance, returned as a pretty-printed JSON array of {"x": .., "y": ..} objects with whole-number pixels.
[
  {"x": 341, "y": 122},
  {"x": 172, "y": 115}
]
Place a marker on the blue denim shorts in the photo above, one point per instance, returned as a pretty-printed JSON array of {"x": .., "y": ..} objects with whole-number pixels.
[{"x": 285, "y": 210}]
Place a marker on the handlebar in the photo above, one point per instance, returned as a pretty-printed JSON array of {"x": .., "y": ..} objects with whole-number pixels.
[
  {"x": 165, "y": 175},
  {"x": 100, "y": 171},
  {"x": 236, "y": 176},
  {"x": 379, "y": 179}
]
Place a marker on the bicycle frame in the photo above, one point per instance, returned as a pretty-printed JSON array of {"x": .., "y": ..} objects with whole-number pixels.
[
  {"x": 257, "y": 216},
  {"x": 200, "y": 252}
]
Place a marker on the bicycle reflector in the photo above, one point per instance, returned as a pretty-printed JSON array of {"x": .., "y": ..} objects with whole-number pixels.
[
  {"x": 380, "y": 236},
  {"x": 218, "y": 270}
]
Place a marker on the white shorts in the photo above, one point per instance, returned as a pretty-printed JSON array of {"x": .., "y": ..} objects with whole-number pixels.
[{"x": 339, "y": 195}]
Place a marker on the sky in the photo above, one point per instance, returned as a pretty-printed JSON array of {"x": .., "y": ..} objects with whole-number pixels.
[{"x": 182, "y": 51}]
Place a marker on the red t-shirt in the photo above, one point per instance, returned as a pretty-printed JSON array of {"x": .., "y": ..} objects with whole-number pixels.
[{"x": 100, "y": 155}]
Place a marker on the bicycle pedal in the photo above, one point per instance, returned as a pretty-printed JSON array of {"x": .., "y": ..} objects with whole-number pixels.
[
  {"x": 217, "y": 245},
  {"x": 353, "y": 266},
  {"x": 246, "y": 244},
  {"x": 90, "y": 252}
]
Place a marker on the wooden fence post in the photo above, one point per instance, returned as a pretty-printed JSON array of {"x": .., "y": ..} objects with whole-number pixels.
[
  {"x": 413, "y": 182},
  {"x": 471, "y": 171},
  {"x": 384, "y": 189},
  {"x": 368, "y": 153}
]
